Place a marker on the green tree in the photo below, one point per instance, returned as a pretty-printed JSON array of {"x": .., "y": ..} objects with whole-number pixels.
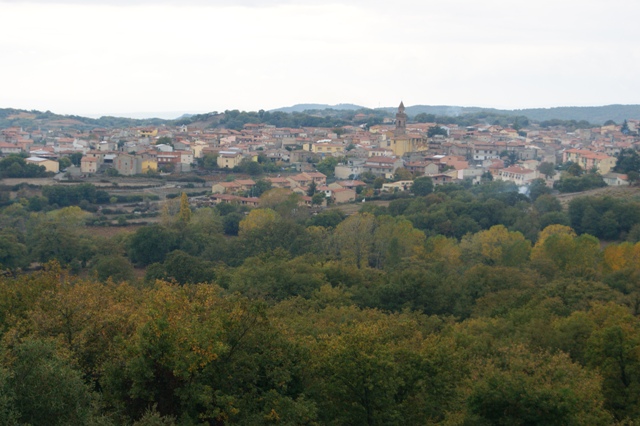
[
  {"x": 437, "y": 131},
  {"x": 64, "y": 162},
  {"x": 75, "y": 158},
  {"x": 423, "y": 117},
  {"x": 537, "y": 188},
  {"x": 13, "y": 253},
  {"x": 318, "y": 198},
  {"x": 150, "y": 244},
  {"x": 114, "y": 267},
  {"x": 524, "y": 388},
  {"x": 231, "y": 223},
  {"x": 253, "y": 168},
  {"x": 328, "y": 166},
  {"x": 574, "y": 169},
  {"x": 628, "y": 161},
  {"x": 208, "y": 161},
  {"x": 402, "y": 174},
  {"x": 509, "y": 157},
  {"x": 47, "y": 389},
  {"x": 547, "y": 169},
  {"x": 312, "y": 189},
  {"x": 422, "y": 186},
  {"x": 58, "y": 235},
  {"x": 261, "y": 187},
  {"x": 164, "y": 140},
  {"x": 546, "y": 203}
]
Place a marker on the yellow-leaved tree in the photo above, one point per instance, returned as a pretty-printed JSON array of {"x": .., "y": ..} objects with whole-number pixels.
[
  {"x": 257, "y": 219},
  {"x": 497, "y": 246}
]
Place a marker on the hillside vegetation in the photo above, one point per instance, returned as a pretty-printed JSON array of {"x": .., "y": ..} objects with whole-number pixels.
[
  {"x": 464, "y": 306},
  {"x": 310, "y": 115}
]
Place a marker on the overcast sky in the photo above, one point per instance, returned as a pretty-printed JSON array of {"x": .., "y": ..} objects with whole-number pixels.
[{"x": 100, "y": 57}]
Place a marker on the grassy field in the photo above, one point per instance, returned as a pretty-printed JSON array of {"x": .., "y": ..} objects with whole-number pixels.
[{"x": 627, "y": 192}]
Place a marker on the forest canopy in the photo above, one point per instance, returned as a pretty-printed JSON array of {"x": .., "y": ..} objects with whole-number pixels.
[{"x": 470, "y": 305}]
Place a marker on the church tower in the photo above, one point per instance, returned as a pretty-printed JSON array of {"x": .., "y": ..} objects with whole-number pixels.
[{"x": 401, "y": 121}]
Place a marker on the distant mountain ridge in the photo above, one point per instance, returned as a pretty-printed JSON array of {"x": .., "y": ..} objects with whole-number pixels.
[
  {"x": 596, "y": 115},
  {"x": 309, "y": 107},
  {"x": 593, "y": 114}
]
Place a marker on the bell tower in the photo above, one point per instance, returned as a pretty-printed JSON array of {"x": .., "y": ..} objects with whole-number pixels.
[{"x": 401, "y": 121}]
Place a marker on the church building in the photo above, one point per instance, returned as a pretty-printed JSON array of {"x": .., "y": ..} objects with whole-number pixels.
[{"x": 401, "y": 142}]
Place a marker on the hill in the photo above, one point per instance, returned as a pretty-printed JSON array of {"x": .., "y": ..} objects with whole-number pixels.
[
  {"x": 596, "y": 114},
  {"x": 310, "y": 107},
  {"x": 10, "y": 117}
]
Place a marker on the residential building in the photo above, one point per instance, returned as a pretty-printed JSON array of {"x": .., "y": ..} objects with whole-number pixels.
[
  {"x": 589, "y": 160},
  {"x": 399, "y": 186},
  {"x": 49, "y": 165},
  {"x": 518, "y": 175},
  {"x": 229, "y": 159},
  {"x": 616, "y": 179},
  {"x": 343, "y": 195},
  {"x": 88, "y": 164}
]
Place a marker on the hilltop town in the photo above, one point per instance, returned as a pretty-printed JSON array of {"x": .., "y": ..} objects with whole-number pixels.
[
  {"x": 341, "y": 163},
  {"x": 396, "y": 270}
]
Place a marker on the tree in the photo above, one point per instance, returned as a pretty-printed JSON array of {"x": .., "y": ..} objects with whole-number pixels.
[
  {"x": 164, "y": 140},
  {"x": 423, "y": 117},
  {"x": 547, "y": 203},
  {"x": 318, "y": 198},
  {"x": 312, "y": 189},
  {"x": 547, "y": 169},
  {"x": 328, "y": 166},
  {"x": 114, "y": 267},
  {"x": 261, "y": 187},
  {"x": 497, "y": 246},
  {"x": 537, "y": 188},
  {"x": 184, "y": 216},
  {"x": 231, "y": 223},
  {"x": 378, "y": 182},
  {"x": 150, "y": 244},
  {"x": 628, "y": 161},
  {"x": 13, "y": 253},
  {"x": 437, "y": 131},
  {"x": 57, "y": 235},
  {"x": 354, "y": 238},
  {"x": 524, "y": 388},
  {"x": 422, "y": 186},
  {"x": 75, "y": 158},
  {"x": 625, "y": 127},
  {"x": 487, "y": 176},
  {"x": 402, "y": 174},
  {"x": 253, "y": 168},
  {"x": 510, "y": 157},
  {"x": 47, "y": 389},
  {"x": 208, "y": 161},
  {"x": 64, "y": 162},
  {"x": 184, "y": 268},
  {"x": 571, "y": 255},
  {"x": 574, "y": 169},
  {"x": 327, "y": 219},
  {"x": 256, "y": 220}
]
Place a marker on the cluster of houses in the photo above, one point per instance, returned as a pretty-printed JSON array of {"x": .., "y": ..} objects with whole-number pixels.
[
  {"x": 378, "y": 151},
  {"x": 241, "y": 190}
]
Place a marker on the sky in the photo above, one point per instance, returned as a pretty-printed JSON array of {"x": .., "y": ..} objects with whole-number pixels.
[{"x": 168, "y": 57}]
